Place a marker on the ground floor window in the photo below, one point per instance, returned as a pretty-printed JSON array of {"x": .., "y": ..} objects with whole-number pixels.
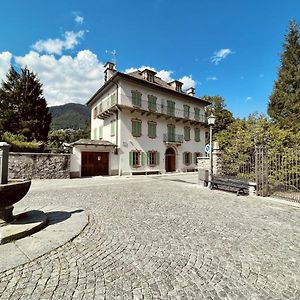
[
  {"x": 187, "y": 158},
  {"x": 196, "y": 154},
  {"x": 153, "y": 158},
  {"x": 136, "y": 158}
]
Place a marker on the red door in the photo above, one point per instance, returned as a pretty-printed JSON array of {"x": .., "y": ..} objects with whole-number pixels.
[{"x": 94, "y": 163}]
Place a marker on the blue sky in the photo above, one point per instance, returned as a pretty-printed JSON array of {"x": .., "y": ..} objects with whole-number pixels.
[{"x": 228, "y": 48}]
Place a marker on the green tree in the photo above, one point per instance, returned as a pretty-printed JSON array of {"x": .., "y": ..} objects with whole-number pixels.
[
  {"x": 223, "y": 116},
  {"x": 284, "y": 103},
  {"x": 23, "y": 108}
]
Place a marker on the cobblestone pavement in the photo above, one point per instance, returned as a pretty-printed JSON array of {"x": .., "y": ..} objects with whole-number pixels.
[{"x": 162, "y": 238}]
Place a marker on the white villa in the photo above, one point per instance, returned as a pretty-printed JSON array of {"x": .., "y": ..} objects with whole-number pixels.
[{"x": 141, "y": 124}]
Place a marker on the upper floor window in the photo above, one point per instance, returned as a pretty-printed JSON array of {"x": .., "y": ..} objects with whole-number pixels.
[
  {"x": 187, "y": 133},
  {"x": 136, "y": 98},
  {"x": 152, "y": 103},
  {"x": 197, "y": 113},
  {"x": 150, "y": 77},
  {"x": 197, "y": 134},
  {"x": 136, "y": 127},
  {"x": 113, "y": 127},
  {"x": 95, "y": 134},
  {"x": 171, "y": 133},
  {"x": 171, "y": 108},
  {"x": 113, "y": 99},
  {"x": 152, "y": 129},
  {"x": 186, "y": 111}
]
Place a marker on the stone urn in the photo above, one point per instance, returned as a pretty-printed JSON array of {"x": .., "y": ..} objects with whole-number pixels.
[{"x": 10, "y": 191}]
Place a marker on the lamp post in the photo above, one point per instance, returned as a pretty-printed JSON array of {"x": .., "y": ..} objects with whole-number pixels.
[{"x": 211, "y": 122}]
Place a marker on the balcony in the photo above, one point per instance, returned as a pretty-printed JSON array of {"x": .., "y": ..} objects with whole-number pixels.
[
  {"x": 107, "y": 107},
  {"x": 173, "y": 138}
]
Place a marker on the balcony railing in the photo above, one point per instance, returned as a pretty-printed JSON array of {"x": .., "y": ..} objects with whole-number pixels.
[
  {"x": 154, "y": 108},
  {"x": 173, "y": 138}
]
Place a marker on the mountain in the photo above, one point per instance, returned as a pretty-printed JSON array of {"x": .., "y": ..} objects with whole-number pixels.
[{"x": 70, "y": 115}]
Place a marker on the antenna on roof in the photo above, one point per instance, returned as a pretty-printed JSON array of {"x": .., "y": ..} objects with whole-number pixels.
[{"x": 113, "y": 53}]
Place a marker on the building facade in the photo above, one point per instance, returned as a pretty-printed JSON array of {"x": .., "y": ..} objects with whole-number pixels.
[{"x": 144, "y": 124}]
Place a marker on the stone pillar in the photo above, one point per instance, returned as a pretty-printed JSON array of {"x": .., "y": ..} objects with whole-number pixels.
[
  {"x": 216, "y": 155},
  {"x": 4, "y": 151}
]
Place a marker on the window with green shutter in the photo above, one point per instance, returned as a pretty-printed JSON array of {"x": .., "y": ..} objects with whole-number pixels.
[
  {"x": 136, "y": 98},
  {"x": 100, "y": 132},
  {"x": 171, "y": 108},
  {"x": 187, "y": 158},
  {"x": 186, "y": 111},
  {"x": 113, "y": 99},
  {"x": 136, "y": 125},
  {"x": 136, "y": 159},
  {"x": 152, "y": 158},
  {"x": 171, "y": 133},
  {"x": 187, "y": 133},
  {"x": 113, "y": 127},
  {"x": 197, "y": 113},
  {"x": 152, "y": 103},
  {"x": 95, "y": 133},
  {"x": 151, "y": 129},
  {"x": 197, "y": 134}
]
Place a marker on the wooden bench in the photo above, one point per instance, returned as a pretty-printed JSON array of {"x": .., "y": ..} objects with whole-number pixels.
[{"x": 230, "y": 184}]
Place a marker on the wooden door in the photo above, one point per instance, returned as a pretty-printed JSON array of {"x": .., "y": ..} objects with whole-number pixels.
[
  {"x": 170, "y": 160},
  {"x": 94, "y": 163}
]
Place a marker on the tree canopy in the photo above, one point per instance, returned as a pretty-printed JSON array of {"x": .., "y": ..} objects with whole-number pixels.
[
  {"x": 23, "y": 108},
  {"x": 284, "y": 103}
]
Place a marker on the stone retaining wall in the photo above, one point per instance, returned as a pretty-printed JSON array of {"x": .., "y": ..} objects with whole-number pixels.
[{"x": 38, "y": 165}]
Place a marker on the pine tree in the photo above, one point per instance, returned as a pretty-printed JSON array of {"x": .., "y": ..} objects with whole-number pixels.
[
  {"x": 23, "y": 109},
  {"x": 284, "y": 104}
]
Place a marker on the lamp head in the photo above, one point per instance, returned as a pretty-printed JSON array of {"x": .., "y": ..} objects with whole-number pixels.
[{"x": 211, "y": 120}]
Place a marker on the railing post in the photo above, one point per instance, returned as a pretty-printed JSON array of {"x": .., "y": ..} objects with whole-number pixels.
[{"x": 4, "y": 153}]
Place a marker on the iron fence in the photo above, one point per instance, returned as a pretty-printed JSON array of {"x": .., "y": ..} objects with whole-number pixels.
[{"x": 275, "y": 173}]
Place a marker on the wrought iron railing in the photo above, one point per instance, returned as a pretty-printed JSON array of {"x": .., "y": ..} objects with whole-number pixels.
[{"x": 173, "y": 138}]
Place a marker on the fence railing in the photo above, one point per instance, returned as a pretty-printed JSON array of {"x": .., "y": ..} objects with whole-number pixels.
[{"x": 275, "y": 173}]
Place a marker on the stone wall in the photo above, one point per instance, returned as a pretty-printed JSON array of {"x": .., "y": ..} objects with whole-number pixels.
[{"x": 38, "y": 165}]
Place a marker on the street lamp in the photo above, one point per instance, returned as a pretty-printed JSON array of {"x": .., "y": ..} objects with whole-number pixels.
[{"x": 211, "y": 122}]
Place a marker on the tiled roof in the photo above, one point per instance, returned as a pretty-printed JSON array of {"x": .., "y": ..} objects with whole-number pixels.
[{"x": 93, "y": 143}]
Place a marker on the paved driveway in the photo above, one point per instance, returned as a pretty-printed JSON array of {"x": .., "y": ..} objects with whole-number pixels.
[{"x": 163, "y": 238}]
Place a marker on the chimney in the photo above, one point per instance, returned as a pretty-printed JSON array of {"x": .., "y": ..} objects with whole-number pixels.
[
  {"x": 191, "y": 91},
  {"x": 177, "y": 85},
  {"x": 109, "y": 70}
]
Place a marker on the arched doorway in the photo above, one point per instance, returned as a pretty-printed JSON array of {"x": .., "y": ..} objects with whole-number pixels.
[{"x": 170, "y": 160}]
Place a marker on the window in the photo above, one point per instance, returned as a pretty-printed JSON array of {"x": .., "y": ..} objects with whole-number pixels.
[
  {"x": 151, "y": 129},
  {"x": 197, "y": 134},
  {"x": 136, "y": 98},
  {"x": 136, "y": 129},
  {"x": 186, "y": 111},
  {"x": 153, "y": 158},
  {"x": 100, "y": 133},
  {"x": 95, "y": 133},
  {"x": 187, "y": 133},
  {"x": 136, "y": 158},
  {"x": 152, "y": 103},
  {"x": 113, "y": 127},
  {"x": 150, "y": 77},
  {"x": 197, "y": 154},
  {"x": 113, "y": 99},
  {"x": 197, "y": 113},
  {"x": 171, "y": 108},
  {"x": 99, "y": 108},
  {"x": 171, "y": 133},
  {"x": 187, "y": 158},
  {"x": 94, "y": 113}
]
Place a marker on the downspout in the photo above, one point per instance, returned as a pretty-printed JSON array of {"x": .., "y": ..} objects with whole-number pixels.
[{"x": 117, "y": 127}]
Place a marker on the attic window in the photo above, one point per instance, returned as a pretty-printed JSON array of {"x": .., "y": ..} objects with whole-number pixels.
[
  {"x": 178, "y": 88},
  {"x": 150, "y": 77}
]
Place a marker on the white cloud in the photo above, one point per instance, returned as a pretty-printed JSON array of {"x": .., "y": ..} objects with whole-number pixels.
[
  {"x": 187, "y": 81},
  {"x": 220, "y": 55},
  {"x": 5, "y": 62},
  {"x": 248, "y": 99},
  {"x": 213, "y": 78},
  {"x": 66, "y": 79},
  {"x": 56, "y": 46},
  {"x": 79, "y": 19}
]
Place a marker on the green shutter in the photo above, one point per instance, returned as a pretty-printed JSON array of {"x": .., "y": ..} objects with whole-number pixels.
[
  {"x": 130, "y": 158},
  {"x": 157, "y": 158},
  {"x": 183, "y": 157},
  {"x": 95, "y": 133},
  {"x": 148, "y": 159},
  {"x": 190, "y": 157},
  {"x": 100, "y": 132},
  {"x": 143, "y": 158}
]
